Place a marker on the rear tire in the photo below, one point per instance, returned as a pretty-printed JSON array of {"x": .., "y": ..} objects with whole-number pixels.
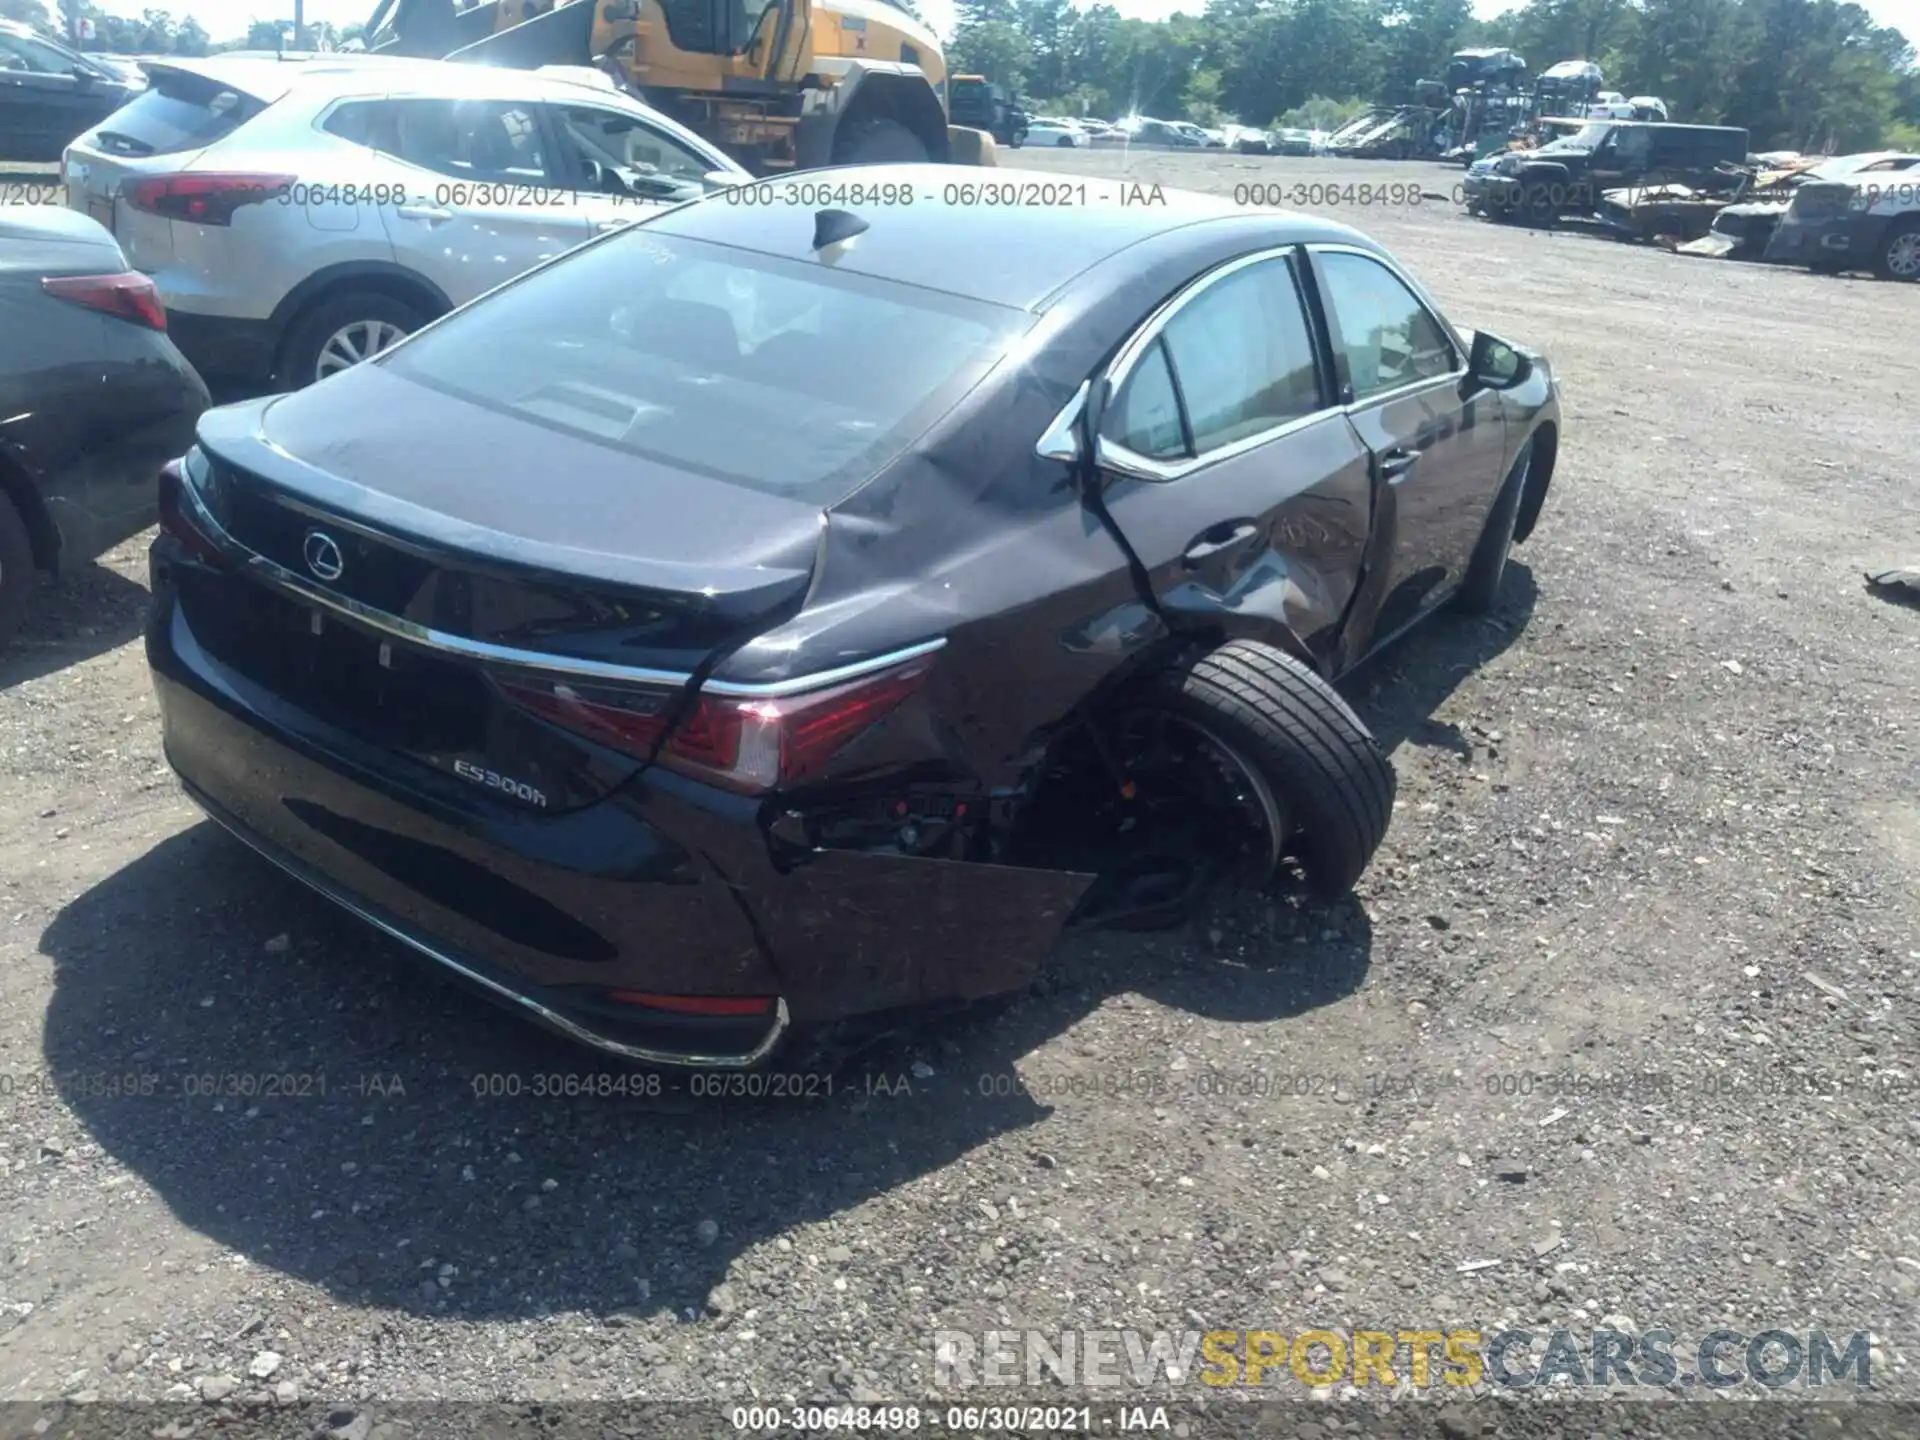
[
  {"x": 1899, "y": 255},
  {"x": 339, "y": 324},
  {"x": 1321, "y": 762},
  {"x": 1480, "y": 589},
  {"x": 16, "y": 571},
  {"x": 879, "y": 141}
]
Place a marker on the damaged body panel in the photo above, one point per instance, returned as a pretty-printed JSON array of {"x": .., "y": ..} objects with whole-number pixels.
[{"x": 675, "y": 642}]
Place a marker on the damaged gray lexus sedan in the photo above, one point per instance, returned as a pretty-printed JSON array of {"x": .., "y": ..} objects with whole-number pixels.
[{"x": 764, "y": 616}]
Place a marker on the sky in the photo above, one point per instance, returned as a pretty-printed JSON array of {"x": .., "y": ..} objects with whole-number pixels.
[{"x": 227, "y": 19}]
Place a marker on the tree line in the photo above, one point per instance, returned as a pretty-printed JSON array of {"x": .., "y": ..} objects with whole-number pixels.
[
  {"x": 1797, "y": 74},
  {"x": 156, "y": 32}
]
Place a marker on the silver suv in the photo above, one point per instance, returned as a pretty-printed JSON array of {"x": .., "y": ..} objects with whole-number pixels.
[{"x": 299, "y": 216}]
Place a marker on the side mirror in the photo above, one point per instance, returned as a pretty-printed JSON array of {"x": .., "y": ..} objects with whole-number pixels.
[
  {"x": 83, "y": 78},
  {"x": 1495, "y": 365}
]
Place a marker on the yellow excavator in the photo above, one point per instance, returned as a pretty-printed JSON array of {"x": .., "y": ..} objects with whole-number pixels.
[{"x": 780, "y": 85}]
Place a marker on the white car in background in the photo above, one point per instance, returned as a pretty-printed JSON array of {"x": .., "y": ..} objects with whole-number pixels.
[
  {"x": 299, "y": 217},
  {"x": 1052, "y": 130}
]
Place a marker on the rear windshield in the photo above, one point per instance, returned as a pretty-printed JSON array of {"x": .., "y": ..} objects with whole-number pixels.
[
  {"x": 781, "y": 375},
  {"x": 176, "y": 112}
]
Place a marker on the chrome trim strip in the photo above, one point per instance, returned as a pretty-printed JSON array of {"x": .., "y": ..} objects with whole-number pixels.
[
  {"x": 570, "y": 1028},
  {"x": 272, "y": 573}
]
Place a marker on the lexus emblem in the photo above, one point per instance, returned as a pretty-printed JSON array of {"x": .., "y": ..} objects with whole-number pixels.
[{"x": 323, "y": 556}]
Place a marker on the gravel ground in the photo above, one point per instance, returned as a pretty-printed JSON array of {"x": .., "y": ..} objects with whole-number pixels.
[{"x": 1624, "y": 1010}]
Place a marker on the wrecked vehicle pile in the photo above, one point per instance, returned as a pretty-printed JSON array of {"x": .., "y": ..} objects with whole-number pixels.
[
  {"x": 856, "y": 641},
  {"x": 1746, "y": 230}
]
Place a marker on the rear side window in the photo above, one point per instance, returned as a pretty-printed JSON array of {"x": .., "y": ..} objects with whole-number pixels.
[
  {"x": 176, "y": 112},
  {"x": 778, "y": 375}
]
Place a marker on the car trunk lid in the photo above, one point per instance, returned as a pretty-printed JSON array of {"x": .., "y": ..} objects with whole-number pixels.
[{"x": 429, "y": 564}]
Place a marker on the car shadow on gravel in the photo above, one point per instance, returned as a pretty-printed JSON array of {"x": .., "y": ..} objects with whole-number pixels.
[
  {"x": 1398, "y": 691},
  {"x": 88, "y": 611},
  {"x": 301, "y": 1090}
]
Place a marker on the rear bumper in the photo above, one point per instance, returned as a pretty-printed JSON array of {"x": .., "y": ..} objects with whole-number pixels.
[
  {"x": 219, "y": 345},
  {"x": 682, "y": 1049},
  {"x": 663, "y": 887}
]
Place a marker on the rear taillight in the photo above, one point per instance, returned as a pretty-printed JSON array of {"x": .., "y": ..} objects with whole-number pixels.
[
  {"x": 750, "y": 745},
  {"x": 126, "y": 296},
  {"x": 177, "y": 515},
  {"x": 204, "y": 199}
]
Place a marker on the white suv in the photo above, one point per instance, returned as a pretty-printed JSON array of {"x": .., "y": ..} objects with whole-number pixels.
[{"x": 299, "y": 216}]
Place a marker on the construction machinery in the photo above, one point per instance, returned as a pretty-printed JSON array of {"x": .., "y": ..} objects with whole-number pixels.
[
  {"x": 781, "y": 85},
  {"x": 974, "y": 102}
]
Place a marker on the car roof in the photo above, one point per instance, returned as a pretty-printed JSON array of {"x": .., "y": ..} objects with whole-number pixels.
[
  {"x": 968, "y": 232},
  {"x": 271, "y": 78}
]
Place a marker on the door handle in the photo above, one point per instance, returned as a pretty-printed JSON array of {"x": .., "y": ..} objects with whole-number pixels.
[
  {"x": 432, "y": 214},
  {"x": 1397, "y": 461},
  {"x": 601, "y": 227},
  {"x": 1217, "y": 540}
]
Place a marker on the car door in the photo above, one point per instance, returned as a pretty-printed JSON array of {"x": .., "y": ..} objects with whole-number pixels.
[
  {"x": 484, "y": 201},
  {"x": 1436, "y": 456},
  {"x": 622, "y": 167},
  {"x": 1232, "y": 473}
]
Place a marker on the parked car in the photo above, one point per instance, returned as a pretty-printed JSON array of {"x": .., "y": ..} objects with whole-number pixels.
[
  {"x": 1044, "y": 131},
  {"x": 1245, "y": 140},
  {"x": 1567, "y": 176},
  {"x": 49, "y": 94},
  {"x": 300, "y": 217},
  {"x": 1293, "y": 142},
  {"x": 864, "y": 623},
  {"x": 1865, "y": 221},
  {"x": 93, "y": 398},
  {"x": 1160, "y": 134}
]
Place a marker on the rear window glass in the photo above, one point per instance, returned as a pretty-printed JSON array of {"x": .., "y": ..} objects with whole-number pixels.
[
  {"x": 176, "y": 112},
  {"x": 776, "y": 374}
]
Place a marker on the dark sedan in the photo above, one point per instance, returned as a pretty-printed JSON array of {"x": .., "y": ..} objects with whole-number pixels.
[
  {"x": 762, "y": 617},
  {"x": 49, "y": 94},
  {"x": 94, "y": 399}
]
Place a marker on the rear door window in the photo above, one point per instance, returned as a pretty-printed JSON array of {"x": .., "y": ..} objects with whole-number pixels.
[{"x": 176, "y": 112}]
